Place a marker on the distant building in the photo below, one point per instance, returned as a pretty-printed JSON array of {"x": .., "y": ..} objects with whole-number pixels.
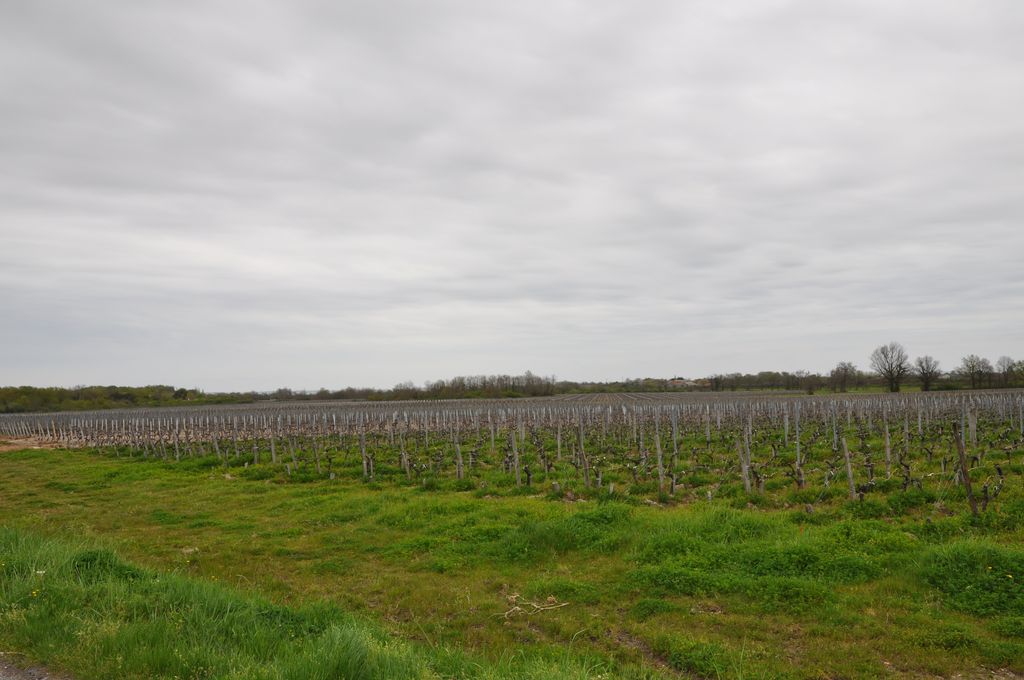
[{"x": 679, "y": 383}]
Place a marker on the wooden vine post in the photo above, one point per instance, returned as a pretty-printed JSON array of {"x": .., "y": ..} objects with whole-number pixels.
[
  {"x": 965, "y": 472},
  {"x": 849, "y": 471}
]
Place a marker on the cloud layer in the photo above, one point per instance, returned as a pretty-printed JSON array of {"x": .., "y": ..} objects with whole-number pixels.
[{"x": 240, "y": 195}]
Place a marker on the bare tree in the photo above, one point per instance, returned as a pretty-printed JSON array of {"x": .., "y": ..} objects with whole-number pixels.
[
  {"x": 976, "y": 369},
  {"x": 811, "y": 382},
  {"x": 842, "y": 375},
  {"x": 927, "y": 370},
  {"x": 1006, "y": 368},
  {"x": 808, "y": 381},
  {"x": 891, "y": 363}
]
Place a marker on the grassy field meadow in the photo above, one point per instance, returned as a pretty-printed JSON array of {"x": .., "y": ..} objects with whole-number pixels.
[{"x": 125, "y": 567}]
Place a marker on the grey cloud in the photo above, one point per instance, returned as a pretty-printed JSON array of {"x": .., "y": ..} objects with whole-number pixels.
[{"x": 322, "y": 193}]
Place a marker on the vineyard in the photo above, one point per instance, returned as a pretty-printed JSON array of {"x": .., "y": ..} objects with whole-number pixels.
[
  {"x": 597, "y": 536},
  {"x": 662, "y": 445}
]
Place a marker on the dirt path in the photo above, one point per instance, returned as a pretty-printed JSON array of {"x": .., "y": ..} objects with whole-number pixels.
[
  {"x": 9, "y": 672},
  {"x": 24, "y": 443}
]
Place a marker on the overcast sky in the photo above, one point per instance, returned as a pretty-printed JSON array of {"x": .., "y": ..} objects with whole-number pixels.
[{"x": 247, "y": 195}]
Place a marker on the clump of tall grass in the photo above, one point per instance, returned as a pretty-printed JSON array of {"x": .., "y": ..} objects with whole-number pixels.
[
  {"x": 84, "y": 610},
  {"x": 978, "y": 577}
]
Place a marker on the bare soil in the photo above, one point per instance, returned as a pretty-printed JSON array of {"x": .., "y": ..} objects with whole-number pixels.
[
  {"x": 20, "y": 672},
  {"x": 25, "y": 443}
]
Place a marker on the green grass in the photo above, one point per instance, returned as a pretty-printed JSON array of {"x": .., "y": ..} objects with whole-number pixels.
[
  {"x": 163, "y": 569},
  {"x": 84, "y": 609}
]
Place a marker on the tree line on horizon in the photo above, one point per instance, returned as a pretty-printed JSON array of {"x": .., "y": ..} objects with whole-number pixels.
[{"x": 890, "y": 369}]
